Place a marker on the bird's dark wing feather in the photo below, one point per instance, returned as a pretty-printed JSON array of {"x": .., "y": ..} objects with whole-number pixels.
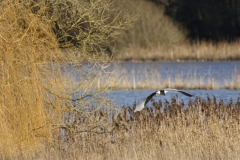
[
  {"x": 149, "y": 98},
  {"x": 186, "y": 94}
]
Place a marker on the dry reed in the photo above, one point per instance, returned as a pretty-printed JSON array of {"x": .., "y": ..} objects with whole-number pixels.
[
  {"x": 202, "y": 129},
  {"x": 195, "y": 51},
  {"x": 152, "y": 77}
]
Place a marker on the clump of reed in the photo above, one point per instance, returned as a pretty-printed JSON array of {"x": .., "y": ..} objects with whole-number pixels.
[
  {"x": 151, "y": 77},
  {"x": 201, "y": 129}
]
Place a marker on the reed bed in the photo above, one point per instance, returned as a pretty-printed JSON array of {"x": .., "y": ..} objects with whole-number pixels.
[
  {"x": 201, "y": 129},
  {"x": 194, "y": 51},
  {"x": 151, "y": 77}
]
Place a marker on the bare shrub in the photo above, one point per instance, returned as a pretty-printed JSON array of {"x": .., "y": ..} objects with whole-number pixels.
[
  {"x": 27, "y": 46},
  {"x": 87, "y": 25},
  {"x": 84, "y": 29}
]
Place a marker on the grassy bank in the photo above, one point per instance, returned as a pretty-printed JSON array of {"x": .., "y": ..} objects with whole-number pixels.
[
  {"x": 206, "y": 129},
  {"x": 201, "y": 51}
]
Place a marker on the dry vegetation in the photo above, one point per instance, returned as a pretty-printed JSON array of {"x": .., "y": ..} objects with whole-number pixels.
[
  {"x": 44, "y": 115},
  {"x": 206, "y": 129},
  {"x": 40, "y": 83},
  {"x": 156, "y": 37},
  {"x": 151, "y": 30},
  {"x": 26, "y": 46},
  {"x": 201, "y": 51},
  {"x": 138, "y": 76},
  {"x": 88, "y": 25}
]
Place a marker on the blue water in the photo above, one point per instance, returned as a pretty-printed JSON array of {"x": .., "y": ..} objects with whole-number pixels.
[
  {"x": 129, "y": 97},
  {"x": 222, "y": 72}
]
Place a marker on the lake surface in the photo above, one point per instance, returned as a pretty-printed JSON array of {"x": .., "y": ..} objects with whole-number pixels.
[
  {"x": 129, "y": 97},
  {"x": 154, "y": 74},
  {"x": 222, "y": 73}
]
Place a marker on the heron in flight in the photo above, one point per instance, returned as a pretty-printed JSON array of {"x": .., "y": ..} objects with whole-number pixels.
[{"x": 160, "y": 92}]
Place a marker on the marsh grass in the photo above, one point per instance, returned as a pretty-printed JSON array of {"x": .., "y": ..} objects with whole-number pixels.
[
  {"x": 187, "y": 51},
  {"x": 201, "y": 129},
  {"x": 152, "y": 77}
]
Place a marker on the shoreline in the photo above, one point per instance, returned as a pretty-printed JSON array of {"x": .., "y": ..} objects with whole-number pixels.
[
  {"x": 158, "y": 60},
  {"x": 177, "y": 60}
]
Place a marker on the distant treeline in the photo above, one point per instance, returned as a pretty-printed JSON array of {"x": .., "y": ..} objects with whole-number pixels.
[{"x": 215, "y": 20}]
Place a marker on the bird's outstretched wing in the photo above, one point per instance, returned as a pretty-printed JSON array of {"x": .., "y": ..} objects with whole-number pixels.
[
  {"x": 185, "y": 93},
  {"x": 143, "y": 103}
]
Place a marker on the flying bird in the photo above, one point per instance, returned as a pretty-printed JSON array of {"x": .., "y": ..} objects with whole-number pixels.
[{"x": 160, "y": 92}]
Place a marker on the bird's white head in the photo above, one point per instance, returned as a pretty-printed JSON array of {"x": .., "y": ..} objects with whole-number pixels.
[{"x": 165, "y": 91}]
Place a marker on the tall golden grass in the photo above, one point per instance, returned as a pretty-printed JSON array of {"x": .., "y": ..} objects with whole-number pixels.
[{"x": 201, "y": 129}]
